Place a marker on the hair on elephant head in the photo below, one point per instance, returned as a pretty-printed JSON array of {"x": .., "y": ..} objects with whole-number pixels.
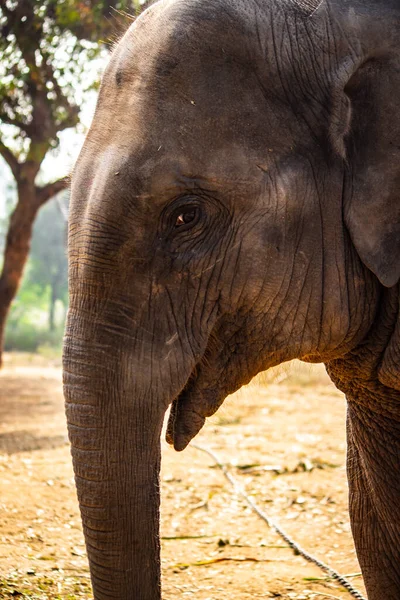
[{"x": 235, "y": 206}]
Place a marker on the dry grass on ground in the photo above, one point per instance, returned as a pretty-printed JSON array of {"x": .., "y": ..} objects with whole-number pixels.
[{"x": 284, "y": 440}]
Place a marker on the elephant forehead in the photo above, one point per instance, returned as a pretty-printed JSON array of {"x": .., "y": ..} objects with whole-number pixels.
[
  {"x": 157, "y": 131},
  {"x": 188, "y": 65}
]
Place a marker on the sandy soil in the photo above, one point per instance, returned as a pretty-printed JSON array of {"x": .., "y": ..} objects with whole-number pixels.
[{"x": 283, "y": 438}]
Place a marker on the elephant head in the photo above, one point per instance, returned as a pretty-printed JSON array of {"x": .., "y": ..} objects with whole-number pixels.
[{"x": 229, "y": 212}]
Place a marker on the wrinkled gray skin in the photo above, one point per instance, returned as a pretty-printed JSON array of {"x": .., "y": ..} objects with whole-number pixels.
[{"x": 235, "y": 206}]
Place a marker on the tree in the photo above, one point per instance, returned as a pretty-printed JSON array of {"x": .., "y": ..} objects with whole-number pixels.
[{"x": 45, "y": 49}]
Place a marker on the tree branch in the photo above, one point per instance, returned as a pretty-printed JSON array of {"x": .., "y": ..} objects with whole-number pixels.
[
  {"x": 51, "y": 189},
  {"x": 10, "y": 159},
  {"x": 17, "y": 123}
]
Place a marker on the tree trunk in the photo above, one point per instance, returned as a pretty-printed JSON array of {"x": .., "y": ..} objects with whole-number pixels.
[{"x": 16, "y": 249}]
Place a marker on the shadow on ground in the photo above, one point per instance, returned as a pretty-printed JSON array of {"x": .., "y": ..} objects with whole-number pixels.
[{"x": 24, "y": 441}]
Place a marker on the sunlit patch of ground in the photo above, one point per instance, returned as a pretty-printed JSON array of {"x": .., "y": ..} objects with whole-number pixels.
[{"x": 284, "y": 439}]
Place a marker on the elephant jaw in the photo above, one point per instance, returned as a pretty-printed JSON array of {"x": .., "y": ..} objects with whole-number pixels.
[{"x": 188, "y": 414}]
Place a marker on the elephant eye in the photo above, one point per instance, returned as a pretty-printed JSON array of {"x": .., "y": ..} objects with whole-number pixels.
[{"x": 187, "y": 216}]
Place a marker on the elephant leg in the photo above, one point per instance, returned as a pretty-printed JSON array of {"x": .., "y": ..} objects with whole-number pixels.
[{"x": 373, "y": 467}]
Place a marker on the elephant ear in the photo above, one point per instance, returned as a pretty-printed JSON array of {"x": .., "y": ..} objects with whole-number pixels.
[{"x": 372, "y": 209}]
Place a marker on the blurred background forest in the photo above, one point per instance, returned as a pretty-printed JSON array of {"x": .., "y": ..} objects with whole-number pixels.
[
  {"x": 36, "y": 318},
  {"x": 52, "y": 53}
]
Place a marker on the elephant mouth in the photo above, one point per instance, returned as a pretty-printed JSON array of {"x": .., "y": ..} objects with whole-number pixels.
[
  {"x": 218, "y": 373},
  {"x": 189, "y": 411},
  {"x": 180, "y": 429}
]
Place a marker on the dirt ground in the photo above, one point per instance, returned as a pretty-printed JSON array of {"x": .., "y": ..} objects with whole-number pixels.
[{"x": 283, "y": 438}]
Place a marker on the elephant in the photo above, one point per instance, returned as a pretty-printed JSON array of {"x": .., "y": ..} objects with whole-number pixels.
[{"x": 235, "y": 206}]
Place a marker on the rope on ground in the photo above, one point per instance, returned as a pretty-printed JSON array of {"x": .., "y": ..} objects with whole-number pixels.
[{"x": 295, "y": 547}]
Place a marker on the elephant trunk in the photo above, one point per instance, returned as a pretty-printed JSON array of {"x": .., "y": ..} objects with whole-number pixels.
[{"x": 115, "y": 439}]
